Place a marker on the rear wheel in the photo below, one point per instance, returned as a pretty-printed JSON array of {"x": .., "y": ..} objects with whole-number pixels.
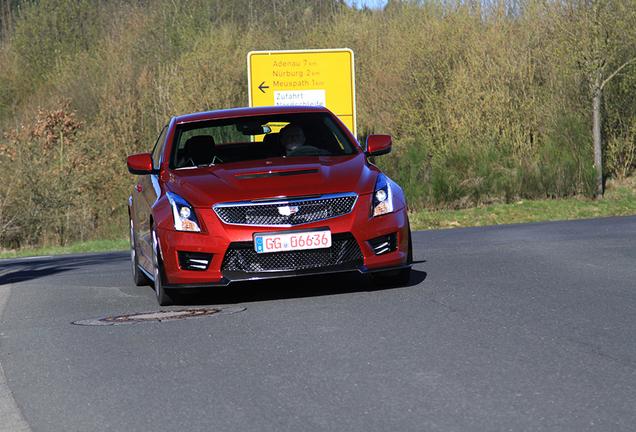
[
  {"x": 138, "y": 277},
  {"x": 164, "y": 297}
]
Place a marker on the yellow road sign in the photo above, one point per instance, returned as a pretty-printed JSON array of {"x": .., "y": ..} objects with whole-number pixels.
[{"x": 308, "y": 77}]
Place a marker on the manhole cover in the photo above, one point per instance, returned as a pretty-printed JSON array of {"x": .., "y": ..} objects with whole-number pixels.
[{"x": 157, "y": 316}]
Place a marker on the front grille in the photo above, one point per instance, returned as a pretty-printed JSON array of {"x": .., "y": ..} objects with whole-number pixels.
[
  {"x": 242, "y": 257},
  {"x": 286, "y": 213}
]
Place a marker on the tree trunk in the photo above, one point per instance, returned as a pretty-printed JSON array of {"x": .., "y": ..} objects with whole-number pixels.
[{"x": 598, "y": 155}]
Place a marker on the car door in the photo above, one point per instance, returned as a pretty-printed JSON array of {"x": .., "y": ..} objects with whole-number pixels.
[{"x": 147, "y": 193}]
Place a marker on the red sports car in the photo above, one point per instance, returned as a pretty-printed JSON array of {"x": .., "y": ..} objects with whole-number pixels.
[{"x": 268, "y": 192}]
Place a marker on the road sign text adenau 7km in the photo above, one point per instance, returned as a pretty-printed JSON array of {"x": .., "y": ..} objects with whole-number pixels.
[{"x": 308, "y": 77}]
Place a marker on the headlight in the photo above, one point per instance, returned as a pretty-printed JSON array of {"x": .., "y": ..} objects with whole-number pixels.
[
  {"x": 382, "y": 197},
  {"x": 183, "y": 214}
]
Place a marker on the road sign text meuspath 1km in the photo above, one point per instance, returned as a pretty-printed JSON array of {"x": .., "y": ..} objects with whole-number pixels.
[{"x": 309, "y": 77}]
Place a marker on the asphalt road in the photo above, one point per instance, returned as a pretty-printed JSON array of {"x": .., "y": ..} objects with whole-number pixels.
[{"x": 508, "y": 328}]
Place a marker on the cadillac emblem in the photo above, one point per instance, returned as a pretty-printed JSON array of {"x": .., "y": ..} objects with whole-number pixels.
[{"x": 287, "y": 210}]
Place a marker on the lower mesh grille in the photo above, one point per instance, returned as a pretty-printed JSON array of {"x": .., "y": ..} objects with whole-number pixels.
[{"x": 242, "y": 257}]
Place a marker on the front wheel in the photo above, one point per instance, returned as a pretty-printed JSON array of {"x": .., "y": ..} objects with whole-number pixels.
[
  {"x": 395, "y": 277},
  {"x": 163, "y": 295},
  {"x": 391, "y": 277}
]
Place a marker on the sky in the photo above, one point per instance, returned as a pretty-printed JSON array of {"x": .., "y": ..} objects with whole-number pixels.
[{"x": 372, "y": 4}]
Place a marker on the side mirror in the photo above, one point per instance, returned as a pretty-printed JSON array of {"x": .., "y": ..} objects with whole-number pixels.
[
  {"x": 141, "y": 164},
  {"x": 378, "y": 145}
]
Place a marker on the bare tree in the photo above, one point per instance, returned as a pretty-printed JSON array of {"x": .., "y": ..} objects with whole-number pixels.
[{"x": 601, "y": 36}]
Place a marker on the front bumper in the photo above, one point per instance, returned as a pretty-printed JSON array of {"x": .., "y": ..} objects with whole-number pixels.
[{"x": 224, "y": 253}]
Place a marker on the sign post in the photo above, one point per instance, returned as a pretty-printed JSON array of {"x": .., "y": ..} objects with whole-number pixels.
[{"x": 309, "y": 77}]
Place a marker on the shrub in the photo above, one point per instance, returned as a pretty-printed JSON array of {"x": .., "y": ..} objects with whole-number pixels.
[{"x": 48, "y": 167}]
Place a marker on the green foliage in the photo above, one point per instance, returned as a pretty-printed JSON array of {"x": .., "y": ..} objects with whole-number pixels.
[
  {"x": 486, "y": 101},
  {"x": 52, "y": 30},
  {"x": 620, "y": 121}
]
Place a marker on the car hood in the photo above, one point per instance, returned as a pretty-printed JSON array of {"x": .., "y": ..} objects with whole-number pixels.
[{"x": 270, "y": 178}]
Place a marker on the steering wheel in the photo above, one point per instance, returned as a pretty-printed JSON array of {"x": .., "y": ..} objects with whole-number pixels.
[{"x": 308, "y": 150}]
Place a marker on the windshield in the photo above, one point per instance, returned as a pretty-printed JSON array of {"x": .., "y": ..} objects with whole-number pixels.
[{"x": 251, "y": 138}]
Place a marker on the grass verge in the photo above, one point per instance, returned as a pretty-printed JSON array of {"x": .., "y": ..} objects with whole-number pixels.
[
  {"x": 90, "y": 246},
  {"x": 620, "y": 200}
]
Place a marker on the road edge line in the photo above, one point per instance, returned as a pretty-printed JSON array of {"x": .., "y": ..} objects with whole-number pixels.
[{"x": 12, "y": 419}]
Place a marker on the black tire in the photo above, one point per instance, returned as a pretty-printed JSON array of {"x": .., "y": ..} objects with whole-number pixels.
[
  {"x": 138, "y": 276},
  {"x": 164, "y": 297},
  {"x": 391, "y": 277},
  {"x": 405, "y": 274}
]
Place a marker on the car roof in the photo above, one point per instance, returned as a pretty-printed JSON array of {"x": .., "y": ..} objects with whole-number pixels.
[{"x": 247, "y": 112}]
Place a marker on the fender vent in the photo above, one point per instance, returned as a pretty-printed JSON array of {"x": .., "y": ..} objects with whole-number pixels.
[
  {"x": 384, "y": 244},
  {"x": 194, "y": 261}
]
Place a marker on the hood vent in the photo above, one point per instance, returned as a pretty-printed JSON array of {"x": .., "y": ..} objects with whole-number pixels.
[{"x": 277, "y": 174}]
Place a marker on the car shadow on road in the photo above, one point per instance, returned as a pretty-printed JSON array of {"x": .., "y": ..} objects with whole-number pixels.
[
  {"x": 289, "y": 288},
  {"x": 16, "y": 270}
]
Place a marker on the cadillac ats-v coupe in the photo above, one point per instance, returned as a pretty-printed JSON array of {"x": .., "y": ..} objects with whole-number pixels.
[{"x": 268, "y": 192}]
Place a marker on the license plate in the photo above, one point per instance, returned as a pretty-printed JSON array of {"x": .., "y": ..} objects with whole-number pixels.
[{"x": 290, "y": 241}]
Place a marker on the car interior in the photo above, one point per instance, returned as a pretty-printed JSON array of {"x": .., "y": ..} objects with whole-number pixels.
[{"x": 235, "y": 140}]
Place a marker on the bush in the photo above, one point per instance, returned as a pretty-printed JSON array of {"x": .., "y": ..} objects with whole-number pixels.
[{"x": 48, "y": 166}]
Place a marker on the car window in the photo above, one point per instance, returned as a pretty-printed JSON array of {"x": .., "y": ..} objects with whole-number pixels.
[
  {"x": 259, "y": 137},
  {"x": 159, "y": 145}
]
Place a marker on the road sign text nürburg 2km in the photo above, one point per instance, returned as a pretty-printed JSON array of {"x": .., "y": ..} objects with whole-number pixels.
[{"x": 309, "y": 77}]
